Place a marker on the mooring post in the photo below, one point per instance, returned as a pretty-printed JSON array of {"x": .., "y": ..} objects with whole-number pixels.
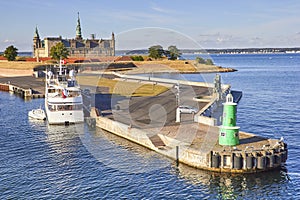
[{"x": 177, "y": 156}]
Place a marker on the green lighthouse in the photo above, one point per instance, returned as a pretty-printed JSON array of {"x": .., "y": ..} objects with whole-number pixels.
[{"x": 229, "y": 132}]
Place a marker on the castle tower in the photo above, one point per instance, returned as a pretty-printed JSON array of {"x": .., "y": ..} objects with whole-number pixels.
[
  {"x": 229, "y": 132},
  {"x": 113, "y": 44},
  {"x": 36, "y": 39},
  {"x": 78, "y": 29},
  {"x": 36, "y": 42}
]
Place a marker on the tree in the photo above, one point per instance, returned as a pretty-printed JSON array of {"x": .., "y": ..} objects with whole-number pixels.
[
  {"x": 10, "y": 53},
  {"x": 173, "y": 52},
  {"x": 137, "y": 58},
  {"x": 59, "y": 51},
  {"x": 156, "y": 51},
  {"x": 203, "y": 61},
  {"x": 209, "y": 62},
  {"x": 200, "y": 60}
]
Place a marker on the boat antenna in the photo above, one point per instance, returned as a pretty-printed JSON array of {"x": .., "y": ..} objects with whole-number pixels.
[{"x": 60, "y": 67}]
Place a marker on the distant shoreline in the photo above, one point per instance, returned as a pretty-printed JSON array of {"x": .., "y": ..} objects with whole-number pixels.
[
  {"x": 221, "y": 51},
  {"x": 266, "y": 50}
]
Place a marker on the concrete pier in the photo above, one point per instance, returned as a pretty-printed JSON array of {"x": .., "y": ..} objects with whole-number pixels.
[
  {"x": 150, "y": 122},
  {"x": 25, "y": 86}
]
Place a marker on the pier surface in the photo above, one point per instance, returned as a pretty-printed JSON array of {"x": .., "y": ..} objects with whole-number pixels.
[{"x": 24, "y": 83}]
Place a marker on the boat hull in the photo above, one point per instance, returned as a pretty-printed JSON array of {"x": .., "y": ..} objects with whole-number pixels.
[
  {"x": 38, "y": 114},
  {"x": 65, "y": 117}
]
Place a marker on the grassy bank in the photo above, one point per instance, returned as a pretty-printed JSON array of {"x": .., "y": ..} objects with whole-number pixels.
[
  {"x": 123, "y": 88},
  {"x": 18, "y": 65},
  {"x": 180, "y": 66}
]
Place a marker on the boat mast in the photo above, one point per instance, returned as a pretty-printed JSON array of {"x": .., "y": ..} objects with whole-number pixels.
[{"x": 60, "y": 67}]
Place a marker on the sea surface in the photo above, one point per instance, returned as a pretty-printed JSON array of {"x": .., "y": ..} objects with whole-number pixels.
[{"x": 38, "y": 161}]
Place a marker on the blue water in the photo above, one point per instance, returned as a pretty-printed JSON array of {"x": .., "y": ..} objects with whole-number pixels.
[{"x": 38, "y": 161}]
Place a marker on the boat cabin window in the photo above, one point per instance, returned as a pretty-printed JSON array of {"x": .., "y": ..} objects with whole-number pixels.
[
  {"x": 51, "y": 90},
  {"x": 71, "y": 83},
  {"x": 61, "y": 78},
  {"x": 69, "y": 107},
  {"x": 52, "y": 107}
]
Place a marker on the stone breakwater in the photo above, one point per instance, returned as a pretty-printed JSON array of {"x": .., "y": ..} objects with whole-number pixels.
[
  {"x": 193, "y": 142},
  {"x": 247, "y": 160}
]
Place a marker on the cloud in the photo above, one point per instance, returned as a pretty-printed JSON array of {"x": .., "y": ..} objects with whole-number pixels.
[
  {"x": 161, "y": 10},
  {"x": 8, "y": 41}
]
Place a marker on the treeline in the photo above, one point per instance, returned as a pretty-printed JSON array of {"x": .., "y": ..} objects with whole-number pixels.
[{"x": 204, "y": 61}]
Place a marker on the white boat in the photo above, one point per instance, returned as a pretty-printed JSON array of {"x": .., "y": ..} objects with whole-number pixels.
[
  {"x": 63, "y": 99},
  {"x": 37, "y": 114}
]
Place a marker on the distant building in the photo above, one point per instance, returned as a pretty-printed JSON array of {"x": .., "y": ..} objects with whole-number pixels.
[{"x": 78, "y": 47}]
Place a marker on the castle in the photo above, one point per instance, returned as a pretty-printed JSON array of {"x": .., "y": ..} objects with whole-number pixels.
[{"x": 78, "y": 47}]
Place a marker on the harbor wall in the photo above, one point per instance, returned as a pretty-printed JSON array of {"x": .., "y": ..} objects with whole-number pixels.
[
  {"x": 24, "y": 93},
  {"x": 15, "y": 89},
  {"x": 133, "y": 134},
  {"x": 174, "y": 149},
  {"x": 229, "y": 161}
]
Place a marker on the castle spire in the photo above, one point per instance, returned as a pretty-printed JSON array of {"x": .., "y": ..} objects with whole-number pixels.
[
  {"x": 78, "y": 29},
  {"x": 36, "y": 33}
]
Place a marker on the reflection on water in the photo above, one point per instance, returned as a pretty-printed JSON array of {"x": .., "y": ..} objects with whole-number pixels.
[
  {"x": 119, "y": 153},
  {"x": 232, "y": 186}
]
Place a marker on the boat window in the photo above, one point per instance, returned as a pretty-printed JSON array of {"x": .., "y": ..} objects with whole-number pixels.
[
  {"x": 51, "y": 107},
  {"x": 62, "y": 78},
  {"x": 51, "y": 90},
  {"x": 67, "y": 107},
  {"x": 71, "y": 83}
]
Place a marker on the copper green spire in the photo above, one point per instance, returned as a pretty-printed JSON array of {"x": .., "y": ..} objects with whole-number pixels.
[
  {"x": 36, "y": 34},
  {"x": 78, "y": 29}
]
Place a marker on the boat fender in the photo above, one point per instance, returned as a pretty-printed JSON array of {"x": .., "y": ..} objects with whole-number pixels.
[
  {"x": 261, "y": 162},
  {"x": 237, "y": 161},
  {"x": 278, "y": 158},
  {"x": 282, "y": 156},
  {"x": 249, "y": 162},
  {"x": 270, "y": 160},
  {"x": 215, "y": 161}
]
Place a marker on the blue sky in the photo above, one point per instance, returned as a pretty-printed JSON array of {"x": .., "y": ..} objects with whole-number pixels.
[{"x": 140, "y": 23}]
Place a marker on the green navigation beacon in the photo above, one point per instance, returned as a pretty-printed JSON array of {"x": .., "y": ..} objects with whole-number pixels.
[{"x": 229, "y": 132}]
